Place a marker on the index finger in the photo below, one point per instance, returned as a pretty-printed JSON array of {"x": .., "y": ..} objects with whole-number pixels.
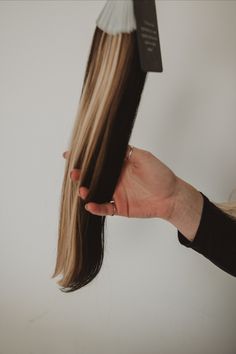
[{"x": 66, "y": 154}]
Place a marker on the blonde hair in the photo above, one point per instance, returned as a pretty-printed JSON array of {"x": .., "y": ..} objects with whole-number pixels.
[
  {"x": 228, "y": 207},
  {"x": 108, "y": 105}
]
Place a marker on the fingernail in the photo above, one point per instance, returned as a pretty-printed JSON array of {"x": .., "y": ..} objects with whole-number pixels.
[
  {"x": 86, "y": 206},
  {"x": 79, "y": 193}
]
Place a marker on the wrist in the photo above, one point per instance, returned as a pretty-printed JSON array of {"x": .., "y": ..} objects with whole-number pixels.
[{"x": 187, "y": 205}]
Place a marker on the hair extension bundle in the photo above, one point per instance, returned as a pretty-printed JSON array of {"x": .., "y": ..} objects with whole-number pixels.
[{"x": 108, "y": 105}]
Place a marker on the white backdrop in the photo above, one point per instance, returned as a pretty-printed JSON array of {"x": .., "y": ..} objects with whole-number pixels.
[{"x": 152, "y": 295}]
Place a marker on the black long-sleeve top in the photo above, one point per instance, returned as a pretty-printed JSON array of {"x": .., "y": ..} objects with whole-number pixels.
[{"x": 215, "y": 237}]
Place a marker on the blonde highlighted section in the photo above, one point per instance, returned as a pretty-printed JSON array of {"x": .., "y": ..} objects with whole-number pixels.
[{"x": 109, "y": 63}]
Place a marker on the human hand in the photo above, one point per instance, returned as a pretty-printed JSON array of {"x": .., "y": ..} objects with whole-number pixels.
[{"x": 145, "y": 189}]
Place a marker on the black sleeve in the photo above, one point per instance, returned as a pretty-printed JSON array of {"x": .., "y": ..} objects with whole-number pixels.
[{"x": 215, "y": 237}]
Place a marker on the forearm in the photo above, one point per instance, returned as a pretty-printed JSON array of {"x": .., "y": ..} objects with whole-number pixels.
[{"x": 187, "y": 209}]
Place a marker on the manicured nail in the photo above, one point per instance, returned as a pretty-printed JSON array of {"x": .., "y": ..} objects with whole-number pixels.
[{"x": 79, "y": 193}]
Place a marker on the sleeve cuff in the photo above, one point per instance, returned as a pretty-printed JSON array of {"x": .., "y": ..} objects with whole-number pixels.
[
  {"x": 198, "y": 239},
  {"x": 215, "y": 237}
]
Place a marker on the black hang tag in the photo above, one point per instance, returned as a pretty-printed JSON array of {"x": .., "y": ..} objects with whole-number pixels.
[{"x": 148, "y": 35}]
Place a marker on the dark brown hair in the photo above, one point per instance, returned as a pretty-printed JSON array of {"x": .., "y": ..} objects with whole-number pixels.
[{"x": 108, "y": 106}]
